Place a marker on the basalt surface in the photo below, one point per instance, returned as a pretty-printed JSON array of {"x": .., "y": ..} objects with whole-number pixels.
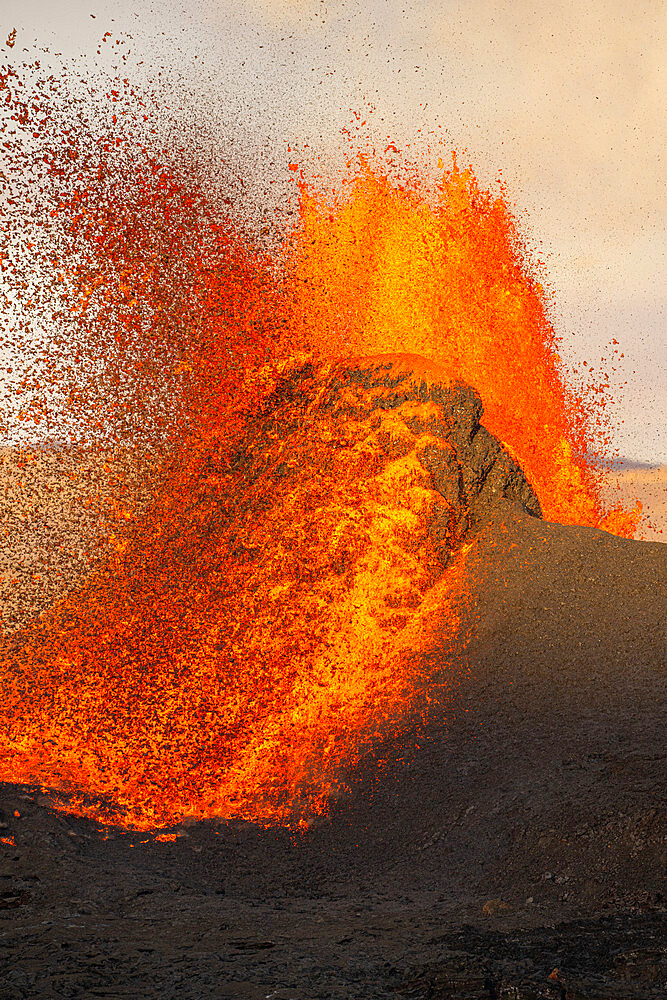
[
  {"x": 509, "y": 846},
  {"x": 398, "y": 405}
]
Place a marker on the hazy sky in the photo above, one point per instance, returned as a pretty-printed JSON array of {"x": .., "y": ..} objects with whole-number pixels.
[{"x": 567, "y": 100}]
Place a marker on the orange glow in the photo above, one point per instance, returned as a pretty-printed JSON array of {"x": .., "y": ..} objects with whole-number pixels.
[
  {"x": 265, "y": 624},
  {"x": 267, "y": 616},
  {"x": 390, "y": 268}
]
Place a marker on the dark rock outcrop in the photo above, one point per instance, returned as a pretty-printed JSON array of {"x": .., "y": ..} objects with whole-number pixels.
[{"x": 396, "y": 406}]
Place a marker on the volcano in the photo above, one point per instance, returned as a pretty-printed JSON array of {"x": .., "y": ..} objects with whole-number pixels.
[
  {"x": 343, "y": 716},
  {"x": 356, "y": 700}
]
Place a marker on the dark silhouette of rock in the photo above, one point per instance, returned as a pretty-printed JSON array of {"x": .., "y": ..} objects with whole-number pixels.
[{"x": 404, "y": 405}]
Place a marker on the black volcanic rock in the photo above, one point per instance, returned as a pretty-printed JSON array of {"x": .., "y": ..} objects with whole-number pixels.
[{"x": 520, "y": 832}]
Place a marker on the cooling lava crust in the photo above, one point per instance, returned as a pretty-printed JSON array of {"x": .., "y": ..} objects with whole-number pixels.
[{"x": 503, "y": 837}]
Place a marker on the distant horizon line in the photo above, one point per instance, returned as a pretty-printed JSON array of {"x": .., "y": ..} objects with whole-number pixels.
[{"x": 616, "y": 464}]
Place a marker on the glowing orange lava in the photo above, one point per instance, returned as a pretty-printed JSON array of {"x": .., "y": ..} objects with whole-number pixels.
[
  {"x": 442, "y": 275},
  {"x": 268, "y": 619},
  {"x": 267, "y": 616}
]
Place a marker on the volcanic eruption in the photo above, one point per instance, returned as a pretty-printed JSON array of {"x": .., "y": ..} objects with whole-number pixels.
[
  {"x": 268, "y": 613},
  {"x": 318, "y": 677}
]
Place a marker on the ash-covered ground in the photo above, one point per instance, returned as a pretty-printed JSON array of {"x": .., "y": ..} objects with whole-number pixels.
[{"x": 513, "y": 849}]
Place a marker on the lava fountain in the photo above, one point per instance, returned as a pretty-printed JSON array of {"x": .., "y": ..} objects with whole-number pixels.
[{"x": 270, "y": 612}]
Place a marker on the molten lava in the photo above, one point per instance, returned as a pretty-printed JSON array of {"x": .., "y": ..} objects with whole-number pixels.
[
  {"x": 272, "y": 613},
  {"x": 443, "y": 276},
  {"x": 268, "y": 614}
]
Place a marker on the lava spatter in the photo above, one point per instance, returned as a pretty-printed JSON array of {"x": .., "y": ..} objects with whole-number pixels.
[
  {"x": 269, "y": 610},
  {"x": 273, "y": 613},
  {"x": 441, "y": 273}
]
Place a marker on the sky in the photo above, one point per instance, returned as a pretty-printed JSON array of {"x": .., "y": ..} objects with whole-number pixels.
[{"x": 565, "y": 101}]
